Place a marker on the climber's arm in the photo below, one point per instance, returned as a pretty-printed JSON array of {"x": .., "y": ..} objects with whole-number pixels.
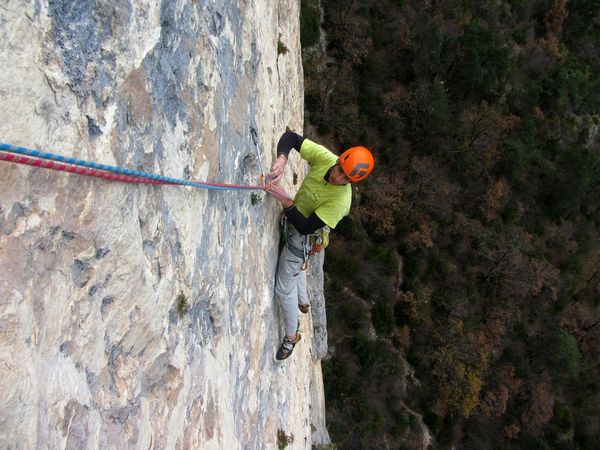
[
  {"x": 302, "y": 224},
  {"x": 288, "y": 140}
]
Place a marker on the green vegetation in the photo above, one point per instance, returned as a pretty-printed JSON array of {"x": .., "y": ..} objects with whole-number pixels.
[
  {"x": 331, "y": 446},
  {"x": 255, "y": 198},
  {"x": 281, "y": 47},
  {"x": 283, "y": 440},
  {"x": 181, "y": 304},
  {"x": 309, "y": 23},
  {"x": 471, "y": 253}
]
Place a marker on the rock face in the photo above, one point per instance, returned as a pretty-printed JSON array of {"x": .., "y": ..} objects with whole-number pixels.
[{"x": 137, "y": 316}]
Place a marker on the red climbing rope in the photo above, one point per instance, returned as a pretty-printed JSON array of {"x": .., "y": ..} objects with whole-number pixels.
[
  {"x": 47, "y": 160},
  {"x": 76, "y": 169}
]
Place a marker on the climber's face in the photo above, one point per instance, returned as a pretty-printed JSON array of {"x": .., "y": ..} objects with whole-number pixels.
[{"x": 337, "y": 176}]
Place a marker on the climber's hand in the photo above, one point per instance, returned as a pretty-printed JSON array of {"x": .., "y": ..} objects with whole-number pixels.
[
  {"x": 277, "y": 191},
  {"x": 276, "y": 172}
]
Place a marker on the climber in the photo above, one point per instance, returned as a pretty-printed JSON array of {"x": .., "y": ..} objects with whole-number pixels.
[{"x": 323, "y": 199}]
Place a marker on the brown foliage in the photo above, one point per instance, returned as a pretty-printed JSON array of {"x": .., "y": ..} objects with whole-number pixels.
[
  {"x": 483, "y": 127},
  {"x": 543, "y": 275},
  {"x": 382, "y": 198},
  {"x": 429, "y": 189},
  {"x": 555, "y": 17},
  {"x": 418, "y": 307},
  {"x": 495, "y": 198},
  {"x": 507, "y": 376},
  {"x": 578, "y": 317},
  {"x": 469, "y": 232},
  {"x": 591, "y": 270},
  {"x": 494, "y": 402},
  {"x": 402, "y": 336},
  {"x": 394, "y": 98},
  {"x": 496, "y": 325},
  {"x": 553, "y": 21},
  {"x": 516, "y": 275},
  {"x": 422, "y": 236},
  {"x": 540, "y": 408},
  {"x": 511, "y": 431},
  {"x": 521, "y": 277}
]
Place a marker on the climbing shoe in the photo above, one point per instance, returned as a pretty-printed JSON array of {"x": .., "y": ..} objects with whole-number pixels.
[
  {"x": 287, "y": 346},
  {"x": 304, "y": 308}
]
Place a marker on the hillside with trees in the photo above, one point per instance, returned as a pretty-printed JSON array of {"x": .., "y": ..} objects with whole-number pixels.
[{"x": 464, "y": 287}]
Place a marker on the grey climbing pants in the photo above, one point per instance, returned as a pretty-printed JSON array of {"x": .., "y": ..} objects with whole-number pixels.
[{"x": 290, "y": 282}]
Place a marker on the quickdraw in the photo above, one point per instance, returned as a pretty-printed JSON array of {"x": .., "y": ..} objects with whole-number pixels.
[{"x": 315, "y": 243}]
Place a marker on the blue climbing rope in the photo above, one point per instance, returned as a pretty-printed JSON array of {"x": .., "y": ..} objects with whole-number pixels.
[{"x": 119, "y": 170}]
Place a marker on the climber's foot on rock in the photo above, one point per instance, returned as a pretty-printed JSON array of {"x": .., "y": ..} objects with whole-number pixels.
[{"x": 287, "y": 347}]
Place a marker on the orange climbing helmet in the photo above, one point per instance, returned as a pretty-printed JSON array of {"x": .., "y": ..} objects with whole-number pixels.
[{"x": 357, "y": 163}]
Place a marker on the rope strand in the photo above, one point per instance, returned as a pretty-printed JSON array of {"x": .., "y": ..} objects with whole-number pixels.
[{"x": 78, "y": 166}]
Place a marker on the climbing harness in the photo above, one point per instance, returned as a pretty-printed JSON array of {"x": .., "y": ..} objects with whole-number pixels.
[
  {"x": 319, "y": 240},
  {"x": 315, "y": 242},
  {"x": 21, "y": 155},
  {"x": 312, "y": 243}
]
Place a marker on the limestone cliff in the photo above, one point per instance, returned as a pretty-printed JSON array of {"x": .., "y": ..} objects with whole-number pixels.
[{"x": 97, "y": 347}]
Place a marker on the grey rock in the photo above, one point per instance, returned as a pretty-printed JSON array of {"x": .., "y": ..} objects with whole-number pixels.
[
  {"x": 93, "y": 350},
  {"x": 314, "y": 286}
]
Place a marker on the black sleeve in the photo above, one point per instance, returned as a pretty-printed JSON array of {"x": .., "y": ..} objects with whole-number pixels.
[
  {"x": 301, "y": 223},
  {"x": 287, "y": 141}
]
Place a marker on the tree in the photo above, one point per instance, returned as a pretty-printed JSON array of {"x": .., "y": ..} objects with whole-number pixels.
[
  {"x": 481, "y": 132},
  {"x": 480, "y": 65},
  {"x": 483, "y": 119},
  {"x": 381, "y": 198},
  {"x": 309, "y": 23},
  {"x": 558, "y": 353},
  {"x": 540, "y": 407},
  {"x": 495, "y": 198},
  {"x": 458, "y": 359}
]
